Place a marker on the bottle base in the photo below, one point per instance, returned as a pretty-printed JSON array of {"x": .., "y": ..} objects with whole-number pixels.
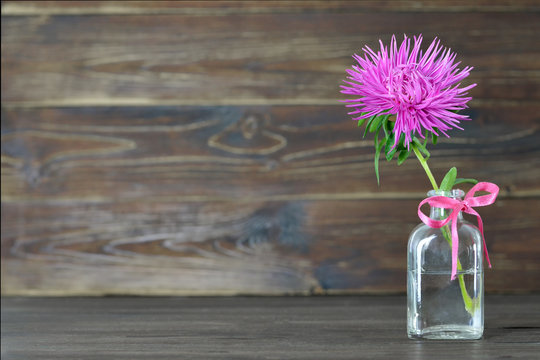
[{"x": 447, "y": 332}]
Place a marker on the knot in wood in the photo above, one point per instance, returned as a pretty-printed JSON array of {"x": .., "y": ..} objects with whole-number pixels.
[{"x": 249, "y": 126}]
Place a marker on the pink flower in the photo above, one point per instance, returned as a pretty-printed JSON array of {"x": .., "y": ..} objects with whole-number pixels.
[{"x": 422, "y": 90}]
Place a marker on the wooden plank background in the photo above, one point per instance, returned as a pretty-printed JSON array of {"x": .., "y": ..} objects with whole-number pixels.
[{"x": 173, "y": 148}]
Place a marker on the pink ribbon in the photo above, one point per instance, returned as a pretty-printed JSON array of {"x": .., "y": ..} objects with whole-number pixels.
[{"x": 456, "y": 205}]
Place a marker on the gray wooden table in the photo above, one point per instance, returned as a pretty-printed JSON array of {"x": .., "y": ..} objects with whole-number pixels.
[{"x": 351, "y": 327}]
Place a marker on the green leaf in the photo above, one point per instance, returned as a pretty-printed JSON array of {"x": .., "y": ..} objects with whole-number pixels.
[
  {"x": 426, "y": 136},
  {"x": 449, "y": 180},
  {"x": 403, "y": 155},
  {"x": 401, "y": 146},
  {"x": 376, "y": 123},
  {"x": 461, "y": 180},
  {"x": 369, "y": 124},
  {"x": 387, "y": 132},
  {"x": 361, "y": 122},
  {"x": 390, "y": 124},
  {"x": 378, "y": 149},
  {"x": 421, "y": 147},
  {"x": 390, "y": 154}
]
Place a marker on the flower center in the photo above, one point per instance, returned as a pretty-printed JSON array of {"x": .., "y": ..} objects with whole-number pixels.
[{"x": 407, "y": 86}]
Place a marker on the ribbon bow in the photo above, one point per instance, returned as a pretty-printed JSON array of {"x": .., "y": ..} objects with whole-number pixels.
[{"x": 456, "y": 205}]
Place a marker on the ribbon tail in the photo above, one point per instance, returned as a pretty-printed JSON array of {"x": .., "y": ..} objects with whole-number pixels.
[
  {"x": 455, "y": 245},
  {"x": 481, "y": 228}
]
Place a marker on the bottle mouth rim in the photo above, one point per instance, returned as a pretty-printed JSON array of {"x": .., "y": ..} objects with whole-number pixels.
[{"x": 454, "y": 193}]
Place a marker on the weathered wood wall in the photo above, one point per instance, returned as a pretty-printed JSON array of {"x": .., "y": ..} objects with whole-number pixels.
[{"x": 200, "y": 147}]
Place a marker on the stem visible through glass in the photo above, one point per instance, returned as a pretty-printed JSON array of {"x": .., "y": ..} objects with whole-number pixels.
[{"x": 467, "y": 301}]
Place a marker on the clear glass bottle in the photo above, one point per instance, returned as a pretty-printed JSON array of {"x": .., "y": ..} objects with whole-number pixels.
[{"x": 438, "y": 307}]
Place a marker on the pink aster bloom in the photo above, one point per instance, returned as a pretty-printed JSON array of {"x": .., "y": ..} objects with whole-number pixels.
[{"x": 421, "y": 89}]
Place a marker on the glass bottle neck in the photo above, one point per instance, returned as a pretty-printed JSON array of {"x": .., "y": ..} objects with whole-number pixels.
[{"x": 441, "y": 213}]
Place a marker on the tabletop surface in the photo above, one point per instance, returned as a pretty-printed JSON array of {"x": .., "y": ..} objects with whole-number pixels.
[{"x": 322, "y": 327}]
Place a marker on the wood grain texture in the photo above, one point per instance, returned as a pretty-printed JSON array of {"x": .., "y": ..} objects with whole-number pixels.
[
  {"x": 185, "y": 248},
  {"x": 246, "y": 58},
  {"x": 200, "y": 147},
  {"x": 257, "y": 6},
  {"x": 252, "y": 153},
  {"x": 227, "y": 200},
  {"x": 333, "y": 328}
]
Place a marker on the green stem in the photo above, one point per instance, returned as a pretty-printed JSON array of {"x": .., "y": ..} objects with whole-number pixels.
[
  {"x": 467, "y": 300},
  {"x": 424, "y": 164}
]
